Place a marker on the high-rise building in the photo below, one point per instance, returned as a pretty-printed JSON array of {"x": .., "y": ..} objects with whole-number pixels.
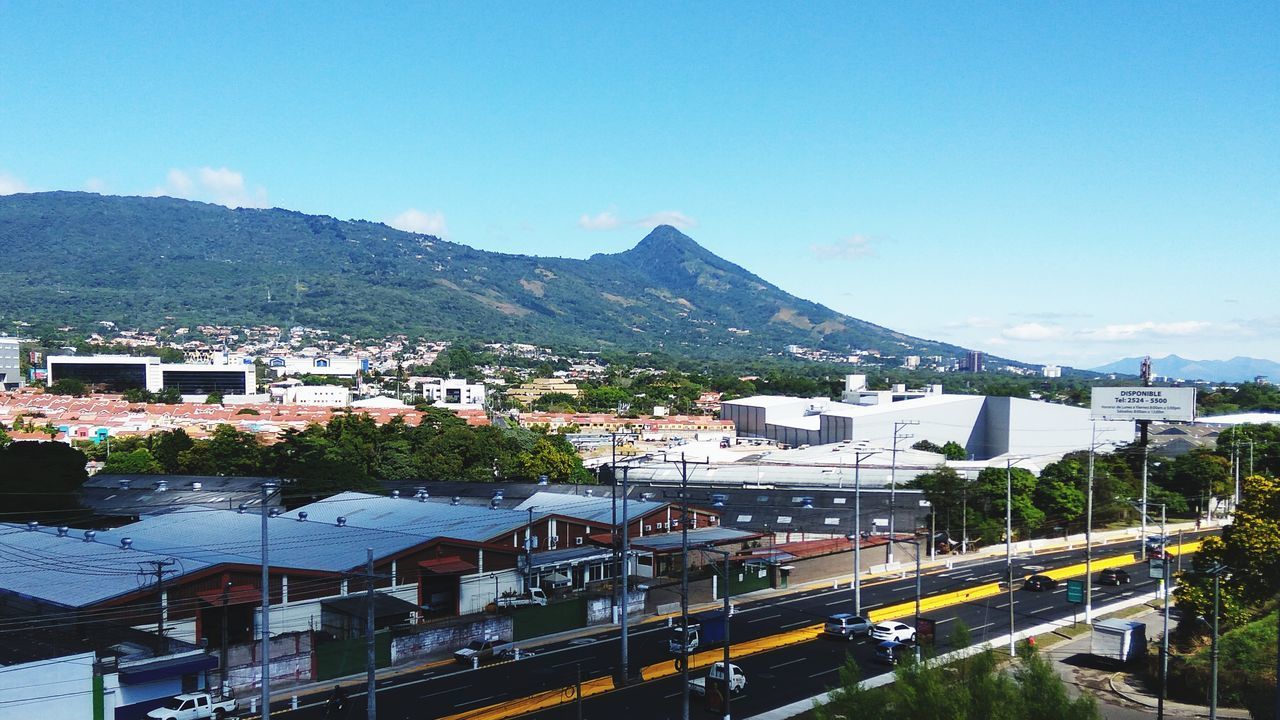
[
  {"x": 972, "y": 361},
  {"x": 10, "y": 368}
]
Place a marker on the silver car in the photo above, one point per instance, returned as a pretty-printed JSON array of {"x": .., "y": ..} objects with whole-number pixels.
[{"x": 846, "y": 626}]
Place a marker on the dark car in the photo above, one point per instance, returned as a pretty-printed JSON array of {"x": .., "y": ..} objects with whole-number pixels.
[
  {"x": 1158, "y": 552},
  {"x": 1113, "y": 576},
  {"x": 1039, "y": 583},
  {"x": 890, "y": 651}
]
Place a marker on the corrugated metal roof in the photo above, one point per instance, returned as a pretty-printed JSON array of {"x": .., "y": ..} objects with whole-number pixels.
[
  {"x": 697, "y": 537},
  {"x": 430, "y": 519},
  {"x": 596, "y": 510},
  {"x": 71, "y": 572}
]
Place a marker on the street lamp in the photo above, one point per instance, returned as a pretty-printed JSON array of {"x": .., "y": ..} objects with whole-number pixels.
[
  {"x": 1008, "y": 542},
  {"x": 858, "y": 457},
  {"x": 728, "y": 675},
  {"x": 893, "y": 480}
]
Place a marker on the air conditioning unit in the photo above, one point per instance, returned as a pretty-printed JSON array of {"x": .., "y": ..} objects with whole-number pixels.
[
  {"x": 577, "y": 541},
  {"x": 553, "y": 541}
]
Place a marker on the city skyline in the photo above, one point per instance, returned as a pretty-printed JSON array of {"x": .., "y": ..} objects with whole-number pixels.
[{"x": 1062, "y": 185}]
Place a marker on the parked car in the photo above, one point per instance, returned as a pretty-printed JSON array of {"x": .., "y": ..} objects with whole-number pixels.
[
  {"x": 847, "y": 626},
  {"x": 1039, "y": 583},
  {"x": 893, "y": 630},
  {"x": 890, "y": 652},
  {"x": 478, "y": 650},
  {"x": 1113, "y": 576}
]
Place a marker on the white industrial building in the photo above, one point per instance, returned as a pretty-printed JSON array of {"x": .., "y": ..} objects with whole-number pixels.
[
  {"x": 115, "y": 373},
  {"x": 452, "y": 393},
  {"x": 985, "y": 427},
  {"x": 293, "y": 392},
  {"x": 335, "y": 365}
]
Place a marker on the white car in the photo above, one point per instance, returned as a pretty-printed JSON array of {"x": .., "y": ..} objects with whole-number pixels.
[{"x": 895, "y": 631}]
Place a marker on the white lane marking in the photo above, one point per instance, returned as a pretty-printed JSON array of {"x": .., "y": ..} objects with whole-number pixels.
[
  {"x": 824, "y": 672},
  {"x": 478, "y": 700},
  {"x": 789, "y": 662},
  {"x": 795, "y": 624},
  {"x": 766, "y": 617}
]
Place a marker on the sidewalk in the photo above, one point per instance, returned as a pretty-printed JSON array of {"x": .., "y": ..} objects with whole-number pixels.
[{"x": 1120, "y": 695}]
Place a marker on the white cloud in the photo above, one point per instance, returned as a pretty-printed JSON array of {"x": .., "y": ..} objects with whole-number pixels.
[
  {"x": 603, "y": 221},
  {"x": 1148, "y": 329},
  {"x": 223, "y": 186},
  {"x": 1033, "y": 331},
  {"x": 850, "y": 248},
  {"x": 675, "y": 218},
  {"x": 10, "y": 184},
  {"x": 414, "y": 220},
  {"x": 973, "y": 321}
]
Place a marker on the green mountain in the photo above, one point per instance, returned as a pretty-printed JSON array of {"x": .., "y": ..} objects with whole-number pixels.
[{"x": 77, "y": 258}]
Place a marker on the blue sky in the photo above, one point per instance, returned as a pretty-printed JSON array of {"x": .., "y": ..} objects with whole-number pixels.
[{"x": 1055, "y": 182}]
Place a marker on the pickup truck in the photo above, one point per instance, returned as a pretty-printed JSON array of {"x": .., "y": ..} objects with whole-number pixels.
[
  {"x": 194, "y": 706},
  {"x": 532, "y": 596},
  {"x": 480, "y": 651},
  {"x": 737, "y": 679}
]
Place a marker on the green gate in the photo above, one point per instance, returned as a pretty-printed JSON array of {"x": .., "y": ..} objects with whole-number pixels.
[
  {"x": 537, "y": 621},
  {"x": 337, "y": 658},
  {"x": 748, "y": 577}
]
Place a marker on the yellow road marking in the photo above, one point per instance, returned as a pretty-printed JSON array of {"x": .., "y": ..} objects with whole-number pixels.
[{"x": 559, "y": 696}]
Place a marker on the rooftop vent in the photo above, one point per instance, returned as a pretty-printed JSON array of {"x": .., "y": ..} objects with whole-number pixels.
[
  {"x": 302, "y": 516},
  {"x": 497, "y": 494},
  {"x": 806, "y": 503},
  {"x": 240, "y": 509},
  {"x": 543, "y": 480},
  {"x": 342, "y": 521},
  {"x": 126, "y": 543},
  {"x": 124, "y": 483},
  {"x": 197, "y": 485},
  {"x": 33, "y": 525},
  {"x": 455, "y": 500},
  {"x": 162, "y": 485},
  {"x": 63, "y": 530},
  {"x": 423, "y": 497},
  {"x": 718, "y": 499},
  {"x": 493, "y": 504},
  {"x": 89, "y": 535},
  {"x": 590, "y": 492},
  {"x": 274, "y": 512},
  {"x": 395, "y": 494}
]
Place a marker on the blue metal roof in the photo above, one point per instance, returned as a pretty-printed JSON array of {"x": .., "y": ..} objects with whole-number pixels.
[
  {"x": 595, "y": 510},
  {"x": 425, "y": 519},
  {"x": 71, "y": 572}
]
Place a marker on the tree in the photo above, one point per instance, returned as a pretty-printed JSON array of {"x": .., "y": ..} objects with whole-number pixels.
[
  {"x": 227, "y": 452},
  {"x": 168, "y": 446},
  {"x": 134, "y": 462},
  {"x": 971, "y": 687},
  {"x": 1200, "y": 474},
  {"x": 953, "y": 450},
  {"x": 213, "y": 398},
  {"x": 4, "y": 437},
  {"x": 41, "y": 481},
  {"x": 927, "y": 446},
  {"x": 69, "y": 386},
  {"x": 947, "y": 493}
]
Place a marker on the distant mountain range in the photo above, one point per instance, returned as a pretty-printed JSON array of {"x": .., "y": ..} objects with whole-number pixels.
[
  {"x": 1237, "y": 369},
  {"x": 78, "y": 258}
]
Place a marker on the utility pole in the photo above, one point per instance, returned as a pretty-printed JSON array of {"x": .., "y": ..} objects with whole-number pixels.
[
  {"x": 917, "y": 625},
  {"x": 626, "y": 577},
  {"x": 684, "y": 582},
  {"x": 222, "y": 659},
  {"x": 1088, "y": 533},
  {"x": 1143, "y": 426},
  {"x": 268, "y": 488},
  {"x": 1164, "y": 637},
  {"x": 159, "y": 570},
  {"x": 528, "y": 552},
  {"x": 1216, "y": 571},
  {"x": 893, "y": 481},
  {"x": 371, "y": 667},
  {"x": 858, "y": 457},
  {"x": 728, "y": 676},
  {"x": 1008, "y": 545}
]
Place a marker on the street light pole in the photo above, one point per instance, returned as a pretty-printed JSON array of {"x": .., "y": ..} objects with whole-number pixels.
[
  {"x": 857, "y": 530},
  {"x": 893, "y": 481},
  {"x": 1088, "y": 533},
  {"x": 267, "y": 489},
  {"x": 728, "y": 675},
  {"x": 1008, "y": 545},
  {"x": 626, "y": 576}
]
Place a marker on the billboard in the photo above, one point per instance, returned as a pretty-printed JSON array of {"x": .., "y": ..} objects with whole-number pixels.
[{"x": 1143, "y": 403}]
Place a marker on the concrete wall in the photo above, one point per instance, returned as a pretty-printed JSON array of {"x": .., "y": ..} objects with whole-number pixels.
[
  {"x": 56, "y": 689},
  {"x": 290, "y": 662},
  {"x": 442, "y": 640},
  {"x": 600, "y": 610}
]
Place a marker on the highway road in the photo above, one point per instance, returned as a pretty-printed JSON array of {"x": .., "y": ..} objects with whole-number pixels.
[{"x": 776, "y": 676}]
